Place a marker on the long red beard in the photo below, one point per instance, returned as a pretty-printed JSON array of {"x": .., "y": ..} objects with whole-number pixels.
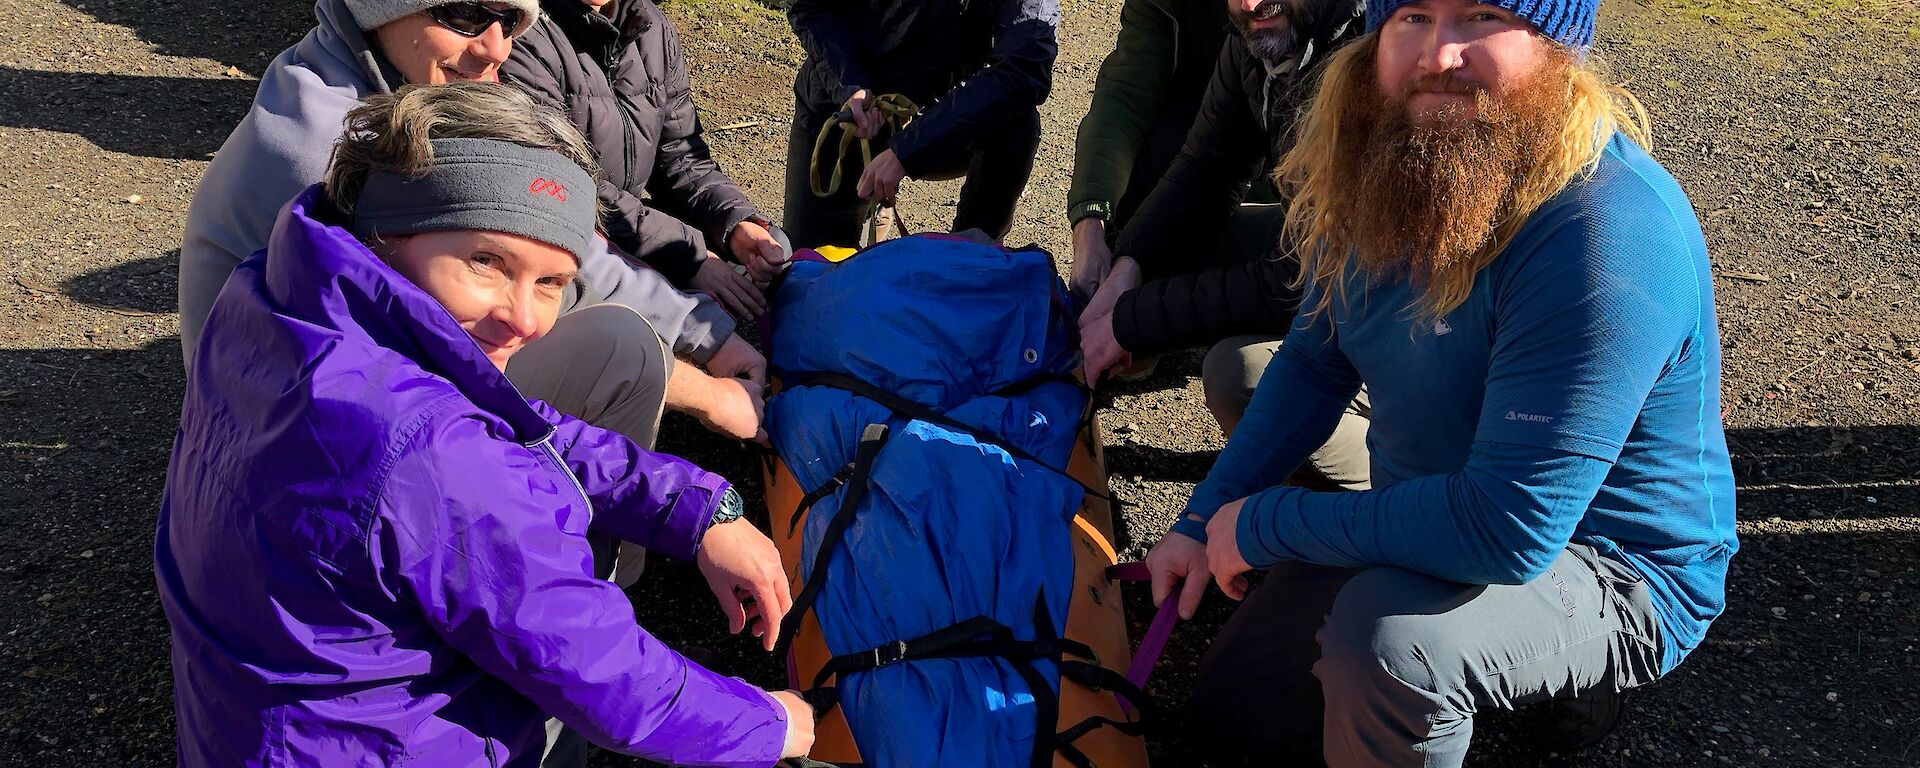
[{"x": 1425, "y": 201}]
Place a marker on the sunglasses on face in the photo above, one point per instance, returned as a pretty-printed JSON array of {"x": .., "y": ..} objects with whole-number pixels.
[{"x": 473, "y": 19}]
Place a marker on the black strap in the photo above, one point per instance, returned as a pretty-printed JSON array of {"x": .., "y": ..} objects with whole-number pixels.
[
  {"x": 953, "y": 642},
  {"x": 1100, "y": 678},
  {"x": 871, "y": 440},
  {"x": 913, "y": 410},
  {"x": 814, "y": 496}
]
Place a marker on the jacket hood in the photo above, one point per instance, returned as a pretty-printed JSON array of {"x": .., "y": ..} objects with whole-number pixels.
[
  {"x": 321, "y": 274},
  {"x": 338, "y": 34}
]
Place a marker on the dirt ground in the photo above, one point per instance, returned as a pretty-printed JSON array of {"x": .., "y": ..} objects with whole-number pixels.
[{"x": 1789, "y": 124}]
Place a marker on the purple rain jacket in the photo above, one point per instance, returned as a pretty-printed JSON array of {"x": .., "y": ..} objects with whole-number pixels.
[{"x": 372, "y": 550}]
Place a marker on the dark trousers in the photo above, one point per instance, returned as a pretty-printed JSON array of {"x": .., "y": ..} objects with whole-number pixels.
[
  {"x": 1386, "y": 667},
  {"x": 996, "y": 165}
]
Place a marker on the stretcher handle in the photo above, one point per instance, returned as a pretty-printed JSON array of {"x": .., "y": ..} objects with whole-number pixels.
[{"x": 1155, "y": 641}]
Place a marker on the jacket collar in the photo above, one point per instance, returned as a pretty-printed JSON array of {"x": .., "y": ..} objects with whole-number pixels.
[
  {"x": 599, "y": 36},
  {"x": 340, "y": 33},
  {"x": 321, "y": 274}
]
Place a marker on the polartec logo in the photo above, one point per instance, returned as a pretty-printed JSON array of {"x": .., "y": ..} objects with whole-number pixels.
[
  {"x": 1533, "y": 417},
  {"x": 549, "y": 187}
]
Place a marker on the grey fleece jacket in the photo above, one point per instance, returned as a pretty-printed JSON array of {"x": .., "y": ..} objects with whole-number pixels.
[{"x": 283, "y": 146}]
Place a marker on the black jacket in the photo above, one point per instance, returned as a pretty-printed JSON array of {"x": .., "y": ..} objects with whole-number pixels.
[
  {"x": 623, "y": 81},
  {"x": 967, "y": 63},
  {"x": 1245, "y": 124}
]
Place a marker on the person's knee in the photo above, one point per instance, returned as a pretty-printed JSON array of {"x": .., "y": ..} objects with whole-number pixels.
[
  {"x": 1389, "y": 627},
  {"x": 627, "y": 344},
  {"x": 1228, "y": 376}
]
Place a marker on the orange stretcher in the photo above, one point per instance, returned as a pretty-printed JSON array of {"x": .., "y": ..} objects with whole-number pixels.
[{"x": 1095, "y": 617}]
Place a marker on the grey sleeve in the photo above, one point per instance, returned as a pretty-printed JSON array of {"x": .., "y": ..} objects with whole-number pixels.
[{"x": 694, "y": 325}]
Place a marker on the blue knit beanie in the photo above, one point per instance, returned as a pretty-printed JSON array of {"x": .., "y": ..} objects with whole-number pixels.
[{"x": 1568, "y": 21}]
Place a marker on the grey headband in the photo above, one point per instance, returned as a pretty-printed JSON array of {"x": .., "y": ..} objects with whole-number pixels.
[{"x": 484, "y": 184}]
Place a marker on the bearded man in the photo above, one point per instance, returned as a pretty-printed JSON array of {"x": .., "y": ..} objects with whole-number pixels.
[{"x": 1487, "y": 245}]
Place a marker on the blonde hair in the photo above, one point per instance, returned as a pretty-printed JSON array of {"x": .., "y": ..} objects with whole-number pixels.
[
  {"x": 394, "y": 132},
  {"x": 1599, "y": 108}
]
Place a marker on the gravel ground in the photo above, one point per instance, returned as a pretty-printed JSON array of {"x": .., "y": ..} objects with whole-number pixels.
[{"x": 1788, "y": 124}]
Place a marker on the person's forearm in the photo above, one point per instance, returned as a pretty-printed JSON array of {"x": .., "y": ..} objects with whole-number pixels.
[
  {"x": 1293, "y": 412},
  {"x": 1502, "y": 519},
  {"x": 690, "y": 390},
  {"x": 828, "y": 42},
  {"x": 1134, "y": 81},
  {"x": 694, "y": 326}
]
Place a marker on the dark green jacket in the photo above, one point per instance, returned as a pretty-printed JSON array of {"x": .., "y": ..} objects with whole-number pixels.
[
  {"x": 1244, "y": 126},
  {"x": 1157, "y": 71}
]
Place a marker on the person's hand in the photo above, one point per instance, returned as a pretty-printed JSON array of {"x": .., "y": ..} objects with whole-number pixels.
[
  {"x": 799, "y": 724},
  {"x": 736, "y": 359},
  {"x": 756, "y": 249},
  {"x": 1100, "y": 350},
  {"x": 1179, "y": 561},
  {"x": 881, "y": 180},
  {"x": 742, "y": 567},
  {"x": 1223, "y": 551},
  {"x": 866, "y": 117},
  {"x": 734, "y": 409},
  {"x": 726, "y": 285},
  {"x": 1092, "y": 259}
]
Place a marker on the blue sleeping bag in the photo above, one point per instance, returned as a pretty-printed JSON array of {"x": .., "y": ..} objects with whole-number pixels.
[{"x": 955, "y": 521}]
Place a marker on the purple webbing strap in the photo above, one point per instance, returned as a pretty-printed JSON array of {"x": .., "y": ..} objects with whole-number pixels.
[{"x": 1155, "y": 641}]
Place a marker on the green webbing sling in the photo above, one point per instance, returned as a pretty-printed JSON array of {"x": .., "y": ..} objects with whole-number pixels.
[{"x": 895, "y": 112}]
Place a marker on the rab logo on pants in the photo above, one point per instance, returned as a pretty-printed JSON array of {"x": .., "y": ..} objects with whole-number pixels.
[{"x": 548, "y": 187}]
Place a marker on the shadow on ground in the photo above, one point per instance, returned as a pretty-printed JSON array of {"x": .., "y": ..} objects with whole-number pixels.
[
  {"x": 246, "y": 36},
  {"x": 146, "y": 285},
  {"x": 159, "y": 116},
  {"x": 165, "y": 117}
]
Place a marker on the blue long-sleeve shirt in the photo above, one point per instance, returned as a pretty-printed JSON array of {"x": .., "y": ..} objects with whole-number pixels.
[{"x": 1574, "y": 397}]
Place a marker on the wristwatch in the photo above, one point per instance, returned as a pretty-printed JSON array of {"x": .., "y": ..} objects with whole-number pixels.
[
  {"x": 1097, "y": 208},
  {"x": 732, "y": 507}
]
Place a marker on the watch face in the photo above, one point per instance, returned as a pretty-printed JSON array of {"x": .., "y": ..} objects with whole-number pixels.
[{"x": 732, "y": 507}]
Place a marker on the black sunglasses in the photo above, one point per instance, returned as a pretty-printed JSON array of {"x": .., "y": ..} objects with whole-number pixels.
[{"x": 472, "y": 19}]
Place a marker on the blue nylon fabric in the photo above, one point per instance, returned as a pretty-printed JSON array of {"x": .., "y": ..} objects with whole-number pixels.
[{"x": 951, "y": 528}]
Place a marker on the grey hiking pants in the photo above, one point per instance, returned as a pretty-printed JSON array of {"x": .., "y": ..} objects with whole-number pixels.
[
  {"x": 603, "y": 365},
  {"x": 1228, "y": 377},
  {"x": 1386, "y": 667}
]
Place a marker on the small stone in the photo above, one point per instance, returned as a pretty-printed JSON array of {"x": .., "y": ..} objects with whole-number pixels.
[
  {"x": 135, "y": 199},
  {"x": 1833, "y": 696},
  {"x": 1779, "y": 612},
  {"x": 89, "y": 553},
  {"x": 1865, "y": 597},
  {"x": 46, "y": 598},
  {"x": 1718, "y": 728}
]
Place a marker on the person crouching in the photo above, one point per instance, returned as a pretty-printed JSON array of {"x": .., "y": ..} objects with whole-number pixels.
[{"x": 372, "y": 549}]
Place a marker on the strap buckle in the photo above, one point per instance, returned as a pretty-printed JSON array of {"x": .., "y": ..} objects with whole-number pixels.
[{"x": 889, "y": 654}]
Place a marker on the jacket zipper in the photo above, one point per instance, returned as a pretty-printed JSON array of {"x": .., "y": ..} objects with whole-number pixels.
[
  {"x": 546, "y": 443},
  {"x": 1176, "y": 34},
  {"x": 627, "y": 127}
]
